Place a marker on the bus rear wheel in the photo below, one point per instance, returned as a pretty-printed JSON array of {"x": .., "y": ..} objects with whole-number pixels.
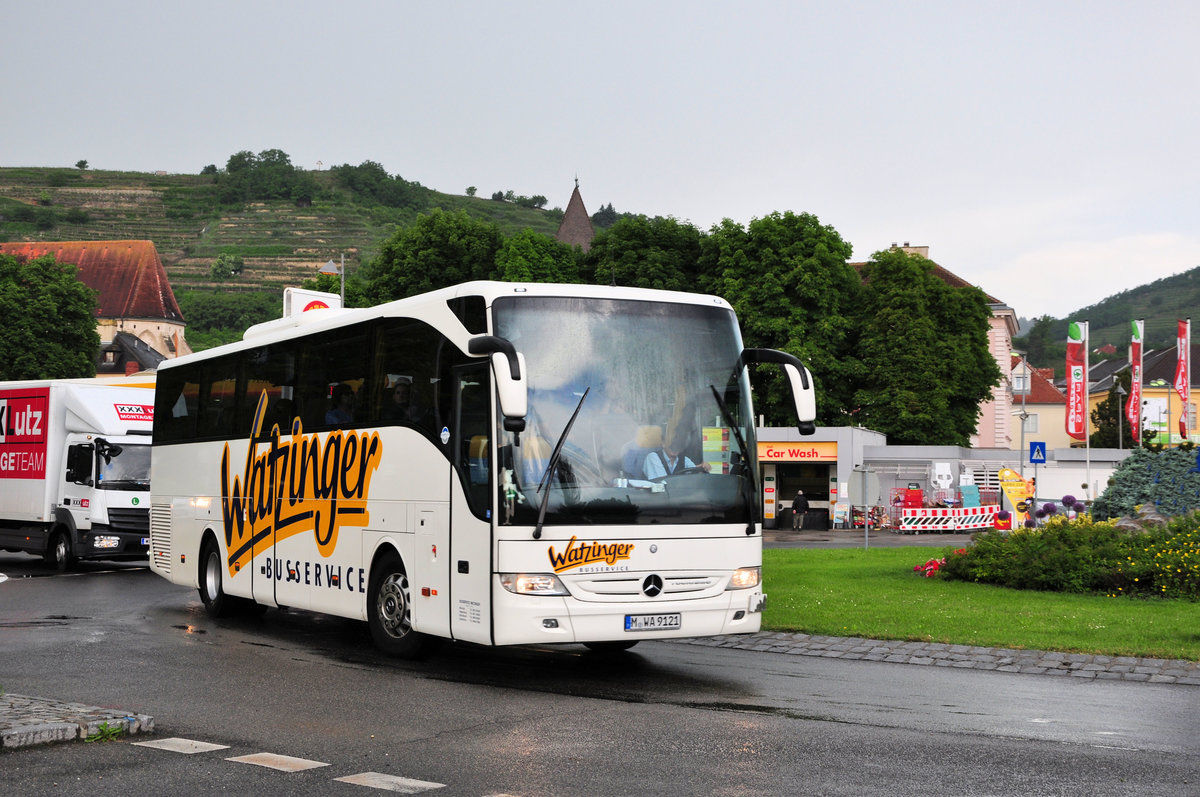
[{"x": 389, "y": 611}]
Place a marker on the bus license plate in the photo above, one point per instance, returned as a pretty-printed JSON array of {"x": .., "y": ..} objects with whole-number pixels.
[
  {"x": 145, "y": 540},
  {"x": 653, "y": 622}
]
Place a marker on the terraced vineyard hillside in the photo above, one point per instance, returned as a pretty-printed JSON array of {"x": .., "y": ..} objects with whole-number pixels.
[{"x": 280, "y": 244}]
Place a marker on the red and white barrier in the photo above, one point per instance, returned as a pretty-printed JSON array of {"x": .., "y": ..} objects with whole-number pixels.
[{"x": 970, "y": 518}]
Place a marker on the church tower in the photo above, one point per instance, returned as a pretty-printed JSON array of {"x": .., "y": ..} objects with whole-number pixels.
[{"x": 576, "y": 227}]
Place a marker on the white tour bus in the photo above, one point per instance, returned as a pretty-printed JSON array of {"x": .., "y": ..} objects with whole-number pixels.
[{"x": 498, "y": 463}]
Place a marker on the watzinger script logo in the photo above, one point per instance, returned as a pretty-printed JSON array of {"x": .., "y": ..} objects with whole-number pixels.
[
  {"x": 303, "y": 484},
  {"x": 588, "y": 553}
]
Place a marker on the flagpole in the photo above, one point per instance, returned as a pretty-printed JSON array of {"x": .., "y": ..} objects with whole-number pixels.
[
  {"x": 1087, "y": 405},
  {"x": 1183, "y": 380}
]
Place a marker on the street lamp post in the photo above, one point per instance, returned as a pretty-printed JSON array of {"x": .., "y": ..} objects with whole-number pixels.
[
  {"x": 1121, "y": 391},
  {"x": 333, "y": 268},
  {"x": 1167, "y": 426}
]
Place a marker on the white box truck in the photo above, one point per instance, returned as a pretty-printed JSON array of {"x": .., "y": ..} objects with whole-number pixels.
[{"x": 75, "y": 469}]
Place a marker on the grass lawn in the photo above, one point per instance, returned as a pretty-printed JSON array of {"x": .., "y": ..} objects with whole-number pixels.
[{"x": 875, "y": 594}]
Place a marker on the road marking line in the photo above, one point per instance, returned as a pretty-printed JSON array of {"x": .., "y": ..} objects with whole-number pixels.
[
  {"x": 185, "y": 746},
  {"x": 378, "y": 780},
  {"x": 284, "y": 763}
]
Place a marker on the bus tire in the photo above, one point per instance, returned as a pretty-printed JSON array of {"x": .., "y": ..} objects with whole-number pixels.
[
  {"x": 59, "y": 554},
  {"x": 212, "y": 591},
  {"x": 609, "y": 648},
  {"x": 389, "y": 611}
]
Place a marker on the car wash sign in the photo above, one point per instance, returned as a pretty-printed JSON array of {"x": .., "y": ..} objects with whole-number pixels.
[{"x": 23, "y": 420}]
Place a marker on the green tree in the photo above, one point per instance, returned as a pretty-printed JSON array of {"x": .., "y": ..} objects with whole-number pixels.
[
  {"x": 530, "y": 256},
  {"x": 1105, "y": 417},
  {"x": 926, "y": 366},
  {"x": 218, "y": 317},
  {"x": 605, "y": 217},
  {"x": 267, "y": 175},
  {"x": 370, "y": 180},
  {"x": 439, "y": 249},
  {"x": 1042, "y": 344},
  {"x": 788, "y": 278},
  {"x": 471, "y": 190},
  {"x": 645, "y": 253},
  {"x": 50, "y": 331},
  {"x": 81, "y": 165},
  {"x": 226, "y": 266}
]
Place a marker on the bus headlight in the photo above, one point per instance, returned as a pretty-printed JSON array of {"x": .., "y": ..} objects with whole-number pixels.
[
  {"x": 533, "y": 584},
  {"x": 106, "y": 542},
  {"x": 745, "y": 577}
]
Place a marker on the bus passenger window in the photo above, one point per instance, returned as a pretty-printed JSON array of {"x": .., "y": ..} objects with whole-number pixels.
[{"x": 341, "y": 405}]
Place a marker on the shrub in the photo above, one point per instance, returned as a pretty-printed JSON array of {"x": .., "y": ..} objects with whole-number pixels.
[
  {"x": 1163, "y": 561},
  {"x": 1168, "y": 479},
  {"x": 1086, "y": 556}
]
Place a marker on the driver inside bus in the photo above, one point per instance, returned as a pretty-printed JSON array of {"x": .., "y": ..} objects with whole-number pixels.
[{"x": 669, "y": 460}]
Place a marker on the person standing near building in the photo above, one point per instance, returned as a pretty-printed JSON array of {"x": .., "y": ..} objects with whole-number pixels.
[{"x": 799, "y": 510}]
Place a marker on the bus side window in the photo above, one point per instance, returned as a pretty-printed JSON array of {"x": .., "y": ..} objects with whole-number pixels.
[{"x": 473, "y": 421}]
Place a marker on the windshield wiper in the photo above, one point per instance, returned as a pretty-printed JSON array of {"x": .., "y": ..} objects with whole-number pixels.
[
  {"x": 552, "y": 466},
  {"x": 749, "y": 481}
]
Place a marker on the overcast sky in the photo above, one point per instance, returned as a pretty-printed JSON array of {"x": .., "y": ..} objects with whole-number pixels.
[{"x": 1045, "y": 151}]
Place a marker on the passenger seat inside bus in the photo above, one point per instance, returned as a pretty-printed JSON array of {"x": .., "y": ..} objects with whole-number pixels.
[{"x": 535, "y": 456}]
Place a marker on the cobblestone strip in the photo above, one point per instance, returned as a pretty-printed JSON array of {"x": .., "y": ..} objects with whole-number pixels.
[
  {"x": 34, "y": 720},
  {"x": 936, "y": 654}
]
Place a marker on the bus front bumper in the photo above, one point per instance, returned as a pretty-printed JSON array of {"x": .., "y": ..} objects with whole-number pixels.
[{"x": 525, "y": 620}]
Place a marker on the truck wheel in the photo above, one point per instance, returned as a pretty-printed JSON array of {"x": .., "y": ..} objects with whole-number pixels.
[
  {"x": 389, "y": 611},
  {"x": 216, "y": 602},
  {"x": 59, "y": 555}
]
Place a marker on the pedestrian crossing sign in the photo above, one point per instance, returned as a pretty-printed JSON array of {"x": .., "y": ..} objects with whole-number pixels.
[{"x": 1037, "y": 453}]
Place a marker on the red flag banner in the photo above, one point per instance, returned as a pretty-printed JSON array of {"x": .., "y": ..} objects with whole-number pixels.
[
  {"x": 1077, "y": 380},
  {"x": 1183, "y": 350},
  {"x": 1133, "y": 408}
]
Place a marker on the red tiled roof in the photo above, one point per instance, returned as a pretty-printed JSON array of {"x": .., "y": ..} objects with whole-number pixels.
[
  {"x": 128, "y": 275},
  {"x": 1041, "y": 390}
]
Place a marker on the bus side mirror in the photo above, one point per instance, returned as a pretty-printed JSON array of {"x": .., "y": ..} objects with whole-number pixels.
[
  {"x": 512, "y": 391},
  {"x": 804, "y": 393},
  {"x": 508, "y": 371}
]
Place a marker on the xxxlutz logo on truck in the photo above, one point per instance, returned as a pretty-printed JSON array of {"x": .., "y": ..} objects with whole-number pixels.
[
  {"x": 295, "y": 486},
  {"x": 23, "y": 435}
]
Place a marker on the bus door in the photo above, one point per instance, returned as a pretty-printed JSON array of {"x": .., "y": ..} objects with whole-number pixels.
[
  {"x": 471, "y": 506},
  {"x": 290, "y": 562}
]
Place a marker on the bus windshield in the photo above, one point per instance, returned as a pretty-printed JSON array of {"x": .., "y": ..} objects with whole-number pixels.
[{"x": 662, "y": 405}]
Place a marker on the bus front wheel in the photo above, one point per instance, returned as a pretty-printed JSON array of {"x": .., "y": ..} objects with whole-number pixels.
[
  {"x": 609, "y": 648},
  {"x": 389, "y": 611},
  {"x": 212, "y": 591}
]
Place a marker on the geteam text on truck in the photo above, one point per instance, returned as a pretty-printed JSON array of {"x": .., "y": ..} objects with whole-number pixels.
[{"x": 497, "y": 463}]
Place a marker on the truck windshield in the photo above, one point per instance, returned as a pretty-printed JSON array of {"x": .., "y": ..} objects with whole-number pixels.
[
  {"x": 128, "y": 470},
  {"x": 654, "y": 440}
]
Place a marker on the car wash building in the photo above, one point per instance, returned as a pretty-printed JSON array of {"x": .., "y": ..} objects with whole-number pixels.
[{"x": 850, "y": 473}]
